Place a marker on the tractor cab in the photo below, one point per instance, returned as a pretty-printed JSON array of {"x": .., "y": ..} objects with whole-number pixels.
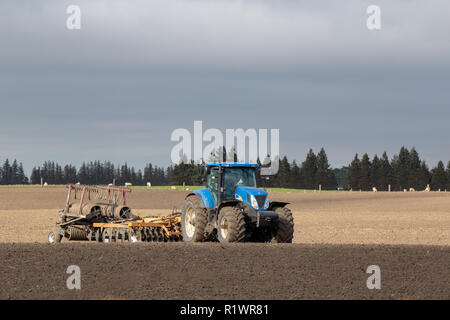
[{"x": 237, "y": 182}]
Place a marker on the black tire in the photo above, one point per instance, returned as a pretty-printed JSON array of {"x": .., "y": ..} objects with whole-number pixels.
[
  {"x": 285, "y": 229},
  {"x": 232, "y": 219},
  {"x": 193, "y": 232}
]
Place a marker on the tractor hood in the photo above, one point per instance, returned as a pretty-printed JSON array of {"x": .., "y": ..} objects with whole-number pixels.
[{"x": 252, "y": 196}]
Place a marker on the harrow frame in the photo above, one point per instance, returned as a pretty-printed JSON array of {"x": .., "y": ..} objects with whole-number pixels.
[{"x": 108, "y": 219}]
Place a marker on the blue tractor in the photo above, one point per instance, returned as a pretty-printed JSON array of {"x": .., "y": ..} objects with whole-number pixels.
[{"x": 232, "y": 209}]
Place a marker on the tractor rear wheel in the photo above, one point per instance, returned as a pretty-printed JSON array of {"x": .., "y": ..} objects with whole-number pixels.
[
  {"x": 193, "y": 220},
  {"x": 285, "y": 228},
  {"x": 231, "y": 226}
]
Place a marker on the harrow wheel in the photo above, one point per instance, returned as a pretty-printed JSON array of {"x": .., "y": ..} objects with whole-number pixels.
[{"x": 54, "y": 236}]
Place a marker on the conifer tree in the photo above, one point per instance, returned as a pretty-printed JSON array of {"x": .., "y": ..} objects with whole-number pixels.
[
  {"x": 448, "y": 176},
  {"x": 386, "y": 175},
  {"x": 375, "y": 170},
  {"x": 414, "y": 169},
  {"x": 401, "y": 168},
  {"x": 364, "y": 174},
  {"x": 438, "y": 177},
  {"x": 308, "y": 171},
  {"x": 284, "y": 173},
  {"x": 353, "y": 174}
]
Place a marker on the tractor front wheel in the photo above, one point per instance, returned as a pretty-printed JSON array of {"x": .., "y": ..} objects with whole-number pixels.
[
  {"x": 285, "y": 229},
  {"x": 193, "y": 220},
  {"x": 231, "y": 226}
]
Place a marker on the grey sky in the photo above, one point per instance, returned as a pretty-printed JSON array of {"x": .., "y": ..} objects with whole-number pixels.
[{"x": 137, "y": 70}]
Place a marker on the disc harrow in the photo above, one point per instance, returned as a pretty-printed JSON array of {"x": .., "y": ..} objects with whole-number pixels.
[{"x": 101, "y": 214}]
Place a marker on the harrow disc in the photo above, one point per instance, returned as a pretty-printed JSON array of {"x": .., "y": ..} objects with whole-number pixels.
[
  {"x": 156, "y": 235},
  {"x": 162, "y": 237},
  {"x": 107, "y": 235},
  {"x": 77, "y": 233},
  {"x": 132, "y": 237},
  {"x": 148, "y": 235},
  {"x": 98, "y": 236},
  {"x": 90, "y": 235},
  {"x": 140, "y": 236}
]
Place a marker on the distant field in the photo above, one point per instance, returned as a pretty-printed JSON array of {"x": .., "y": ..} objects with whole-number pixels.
[
  {"x": 412, "y": 218},
  {"x": 268, "y": 189},
  {"x": 180, "y": 188}
]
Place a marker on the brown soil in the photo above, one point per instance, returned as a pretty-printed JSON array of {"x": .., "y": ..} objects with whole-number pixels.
[{"x": 214, "y": 271}]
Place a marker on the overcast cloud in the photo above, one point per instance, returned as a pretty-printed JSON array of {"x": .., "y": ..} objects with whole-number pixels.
[{"x": 137, "y": 70}]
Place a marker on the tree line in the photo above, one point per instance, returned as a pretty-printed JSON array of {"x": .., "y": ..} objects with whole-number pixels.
[
  {"x": 97, "y": 173},
  {"x": 403, "y": 171},
  {"x": 315, "y": 170},
  {"x": 12, "y": 173}
]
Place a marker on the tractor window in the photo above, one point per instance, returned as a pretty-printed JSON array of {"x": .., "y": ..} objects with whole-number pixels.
[
  {"x": 235, "y": 177},
  {"x": 212, "y": 183}
]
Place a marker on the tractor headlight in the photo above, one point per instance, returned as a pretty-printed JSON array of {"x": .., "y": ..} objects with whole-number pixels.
[
  {"x": 254, "y": 203},
  {"x": 266, "y": 203}
]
